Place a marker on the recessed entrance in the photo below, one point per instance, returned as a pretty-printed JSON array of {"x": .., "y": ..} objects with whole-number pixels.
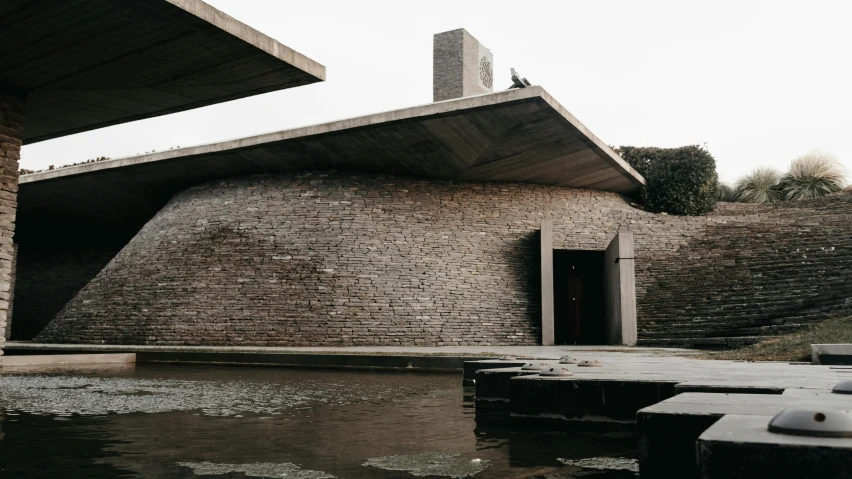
[
  {"x": 603, "y": 280},
  {"x": 578, "y": 297}
]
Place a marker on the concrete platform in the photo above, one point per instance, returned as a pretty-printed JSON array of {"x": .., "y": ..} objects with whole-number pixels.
[
  {"x": 87, "y": 65},
  {"x": 691, "y": 375},
  {"x": 831, "y": 354},
  {"x": 740, "y": 447},
  {"x": 64, "y": 360},
  {"x": 668, "y": 431},
  {"x": 446, "y": 358},
  {"x": 611, "y": 395}
]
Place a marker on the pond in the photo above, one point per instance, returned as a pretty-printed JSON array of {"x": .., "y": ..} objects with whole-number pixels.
[{"x": 237, "y": 422}]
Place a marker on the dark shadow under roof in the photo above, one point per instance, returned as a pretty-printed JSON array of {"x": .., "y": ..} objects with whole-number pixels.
[
  {"x": 517, "y": 135},
  {"x": 87, "y": 64}
]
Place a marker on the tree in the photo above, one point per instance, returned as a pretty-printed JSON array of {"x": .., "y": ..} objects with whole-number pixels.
[{"x": 681, "y": 181}]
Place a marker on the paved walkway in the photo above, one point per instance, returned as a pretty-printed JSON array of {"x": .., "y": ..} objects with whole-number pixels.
[{"x": 413, "y": 351}]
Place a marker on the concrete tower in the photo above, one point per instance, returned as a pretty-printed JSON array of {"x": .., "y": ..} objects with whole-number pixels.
[{"x": 461, "y": 66}]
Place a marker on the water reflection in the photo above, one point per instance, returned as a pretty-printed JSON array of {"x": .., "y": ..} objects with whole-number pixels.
[{"x": 183, "y": 422}]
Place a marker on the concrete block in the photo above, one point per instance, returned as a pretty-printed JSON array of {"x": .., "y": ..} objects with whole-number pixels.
[
  {"x": 559, "y": 402},
  {"x": 668, "y": 430},
  {"x": 741, "y": 447},
  {"x": 835, "y": 354},
  {"x": 492, "y": 385}
]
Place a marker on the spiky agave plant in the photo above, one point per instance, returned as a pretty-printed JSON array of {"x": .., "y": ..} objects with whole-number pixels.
[
  {"x": 813, "y": 175},
  {"x": 760, "y": 186},
  {"x": 725, "y": 193}
]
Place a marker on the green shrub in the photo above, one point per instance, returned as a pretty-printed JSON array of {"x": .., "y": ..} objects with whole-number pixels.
[
  {"x": 813, "y": 175},
  {"x": 680, "y": 181},
  {"x": 725, "y": 193},
  {"x": 760, "y": 187}
]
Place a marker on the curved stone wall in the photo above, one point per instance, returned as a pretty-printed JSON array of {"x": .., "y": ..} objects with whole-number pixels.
[{"x": 325, "y": 258}]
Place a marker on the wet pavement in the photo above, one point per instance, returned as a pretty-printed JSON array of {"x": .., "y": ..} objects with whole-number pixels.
[{"x": 232, "y": 422}]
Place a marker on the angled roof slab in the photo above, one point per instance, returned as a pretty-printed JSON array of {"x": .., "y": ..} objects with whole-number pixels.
[
  {"x": 87, "y": 64},
  {"x": 520, "y": 135}
]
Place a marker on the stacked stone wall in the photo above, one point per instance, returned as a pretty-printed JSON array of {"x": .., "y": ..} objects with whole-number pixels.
[
  {"x": 48, "y": 276},
  {"x": 326, "y": 258},
  {"x": 11, "y": 140}
]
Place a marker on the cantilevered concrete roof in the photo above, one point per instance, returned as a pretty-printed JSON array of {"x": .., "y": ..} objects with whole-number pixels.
[
  {"x": 87, "y": 64},
  {"x": 520, "y": 135}
]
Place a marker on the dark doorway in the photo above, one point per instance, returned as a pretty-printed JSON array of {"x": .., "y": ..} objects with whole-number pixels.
[{"x": 578, "y": 297}]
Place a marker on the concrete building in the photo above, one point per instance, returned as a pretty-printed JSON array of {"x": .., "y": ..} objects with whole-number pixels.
[
  {"x": 496, "y": 218},
  {"x": 67, "y": 67}
]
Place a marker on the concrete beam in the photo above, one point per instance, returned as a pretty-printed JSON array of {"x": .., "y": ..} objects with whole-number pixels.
[
  {"x": 519, "y": 135},
  {"x": 92, "y": 64}
]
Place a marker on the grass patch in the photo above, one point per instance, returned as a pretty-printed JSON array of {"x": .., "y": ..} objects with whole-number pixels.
[{"x": 795, "y": 346}]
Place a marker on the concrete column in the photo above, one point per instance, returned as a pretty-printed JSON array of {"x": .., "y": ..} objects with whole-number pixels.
[
  {"x": 547, "y": 313},
  {"x": 11, "y": 139},
  {"x": 620, "y": 290},
  {"x": 12, "y": 292}
]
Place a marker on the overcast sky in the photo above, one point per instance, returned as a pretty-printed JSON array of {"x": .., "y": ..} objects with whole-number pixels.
[{"x": 758, "y": 82}]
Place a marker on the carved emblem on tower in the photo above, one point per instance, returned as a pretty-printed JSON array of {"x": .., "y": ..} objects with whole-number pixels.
[{"x": 485, "y": 72}]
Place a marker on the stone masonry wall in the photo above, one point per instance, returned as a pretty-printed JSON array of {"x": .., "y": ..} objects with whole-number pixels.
[
  {"x": 448, "y": 65},
  {"x": 325, "y": 258},
  {"x": 762, "y": 271},
  {"x": 49, "y": 275},
  {"x": 456, "y": 66},
  {"x": 11, "y": 140}
]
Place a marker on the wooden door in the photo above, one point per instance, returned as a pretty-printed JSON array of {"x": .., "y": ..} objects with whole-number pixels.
[{"x": 576, "y": 309}]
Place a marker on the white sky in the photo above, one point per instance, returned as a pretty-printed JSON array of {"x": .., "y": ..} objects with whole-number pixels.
[{"x": 759, "y": 82}]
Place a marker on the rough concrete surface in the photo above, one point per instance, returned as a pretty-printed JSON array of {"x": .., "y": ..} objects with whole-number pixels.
[
  {"x": 740, "y": 447},
  {"x": 100, "y": 63}
]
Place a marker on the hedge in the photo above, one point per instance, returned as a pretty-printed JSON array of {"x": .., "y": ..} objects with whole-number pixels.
[{"x": 679, "y": 181}]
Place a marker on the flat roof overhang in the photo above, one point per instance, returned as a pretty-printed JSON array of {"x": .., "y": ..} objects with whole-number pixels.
[
  {"x": 87, "y": 64},
  {"x": 520, "y": 135}
]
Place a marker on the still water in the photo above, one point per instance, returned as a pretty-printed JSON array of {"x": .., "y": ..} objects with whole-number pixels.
[{"x": 223, "y": 422}]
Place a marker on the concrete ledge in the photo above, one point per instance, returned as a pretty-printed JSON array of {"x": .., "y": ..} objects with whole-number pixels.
[
  {"x": 66, "y": 359},
  {"x": 261, "y": 356},
  {"x": 835, "y": 354}
]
